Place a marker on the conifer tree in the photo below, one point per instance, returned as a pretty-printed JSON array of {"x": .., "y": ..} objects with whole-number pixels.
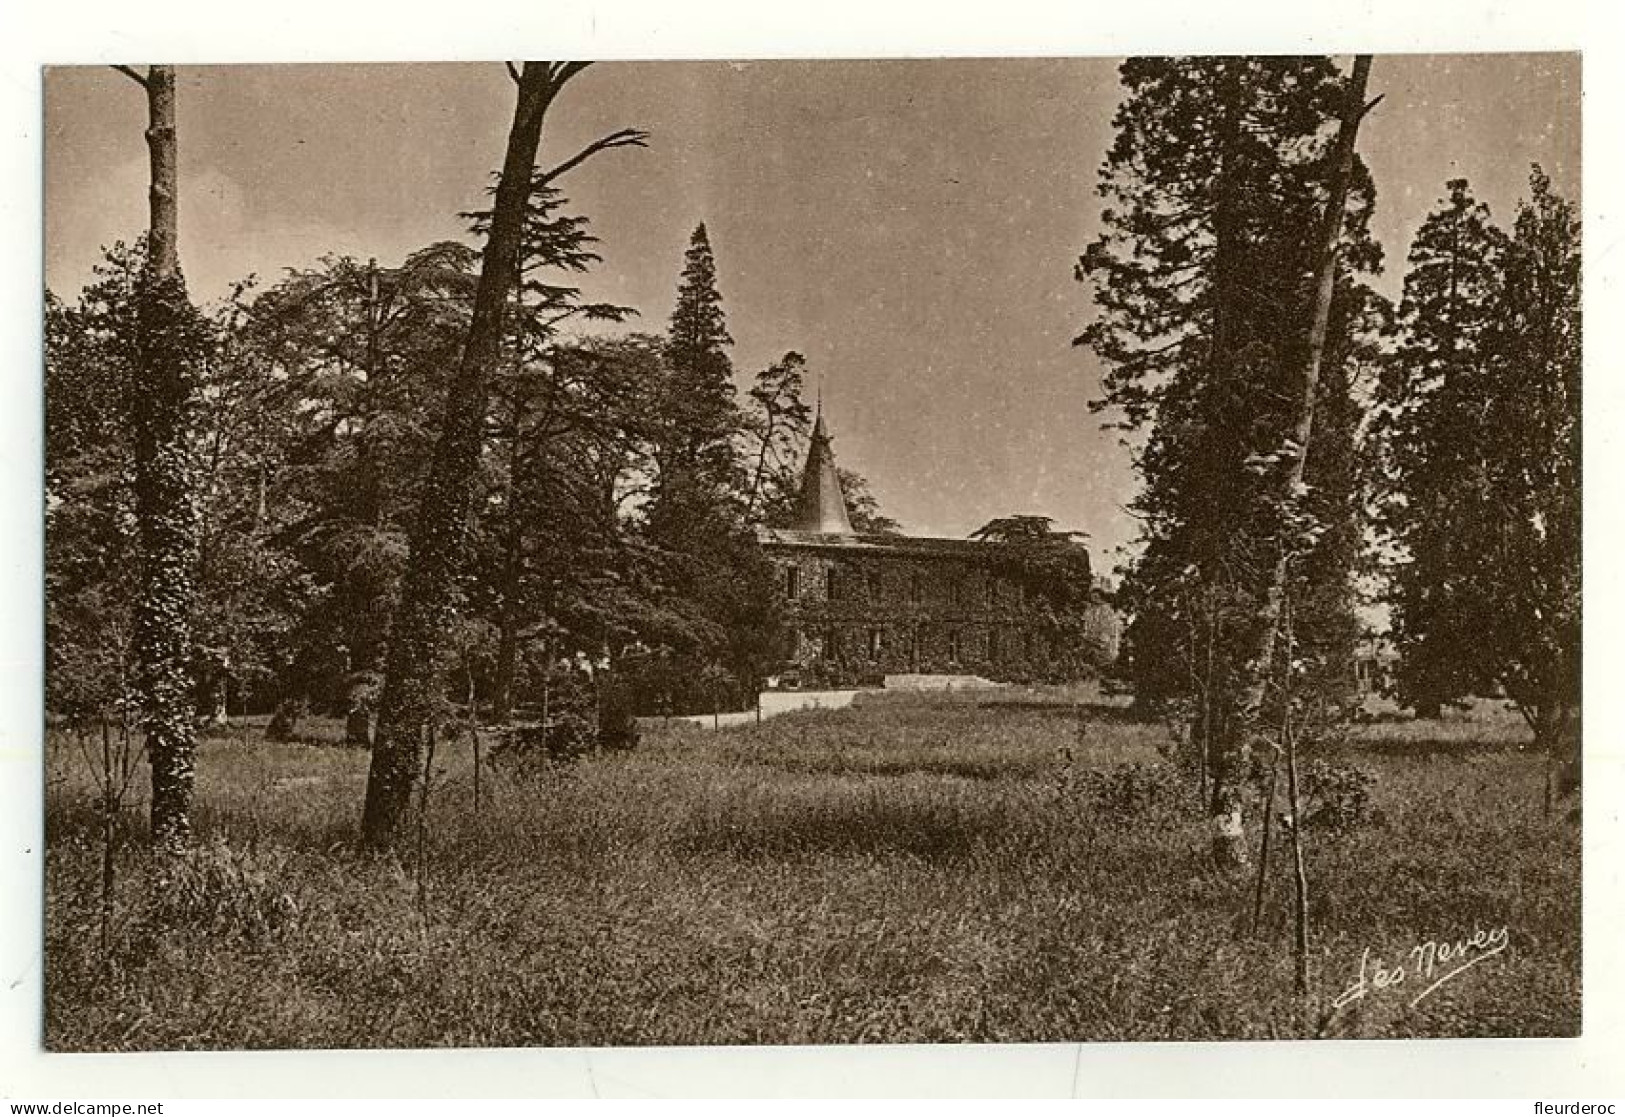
[
  {"x": 695, "y": 448},
  {"x": 717, "y": 584},
  {"x": 1481, "y": 464},
  {"x": 1431, "y": 439},
  {"x": 1530, "y": 561}
]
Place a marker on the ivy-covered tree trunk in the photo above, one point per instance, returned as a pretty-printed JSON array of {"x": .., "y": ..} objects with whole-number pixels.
[
  {"x": 1203, "y": 285},
  {"x": 168, "y": 349},
  {"x": 440, "y": 534},
  {"x": 1229, "y": 839}
]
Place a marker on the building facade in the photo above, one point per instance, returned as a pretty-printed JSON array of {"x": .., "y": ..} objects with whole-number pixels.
[{"x": 860, "y": 607}]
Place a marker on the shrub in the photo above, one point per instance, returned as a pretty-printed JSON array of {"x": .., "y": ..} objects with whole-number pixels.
[
  {"x": 1336, "y": 796},
  {"x": 579, "y": 719},
  {"x": 564, "y": 738},
  {"x": 1132, "y": 791},
  {"x": 617, "y": 725}
]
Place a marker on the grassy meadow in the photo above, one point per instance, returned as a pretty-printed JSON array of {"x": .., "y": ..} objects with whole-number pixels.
[{"x": 918, "y": 868}]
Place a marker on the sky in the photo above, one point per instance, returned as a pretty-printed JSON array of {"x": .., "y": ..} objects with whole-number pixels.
[{"x": 908, "y": 226}]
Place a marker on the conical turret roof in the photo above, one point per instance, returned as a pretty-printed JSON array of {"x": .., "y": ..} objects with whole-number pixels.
[{"x": 821, "y": 506}]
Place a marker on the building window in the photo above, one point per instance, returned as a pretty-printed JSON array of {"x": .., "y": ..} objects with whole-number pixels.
[
  {"x": 874, "y": 644},
  {"x": 871, "y": 585},
  {"x": 831, "y": 648},
  {"x": 829, "y": 584},
  {"x": 792, "y": 582}
]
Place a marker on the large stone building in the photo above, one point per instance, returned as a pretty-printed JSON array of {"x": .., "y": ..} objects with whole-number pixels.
[{"x": 862, "y": 606}]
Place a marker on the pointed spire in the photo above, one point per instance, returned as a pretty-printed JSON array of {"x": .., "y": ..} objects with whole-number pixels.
[{"x": 822, "y": 505}]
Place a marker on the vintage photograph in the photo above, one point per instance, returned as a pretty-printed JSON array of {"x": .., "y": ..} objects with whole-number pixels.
[{"x": 820, "y": 552}]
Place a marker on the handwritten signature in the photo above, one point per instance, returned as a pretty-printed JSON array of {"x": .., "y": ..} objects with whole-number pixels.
[{"x": 1435, "y": 961}]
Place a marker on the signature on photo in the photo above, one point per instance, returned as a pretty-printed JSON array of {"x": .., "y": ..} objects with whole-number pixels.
[{"x": 1434, "y": 962}]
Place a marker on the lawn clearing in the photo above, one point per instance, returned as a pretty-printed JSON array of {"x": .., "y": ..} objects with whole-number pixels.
[{"x": 919, "y": 868}]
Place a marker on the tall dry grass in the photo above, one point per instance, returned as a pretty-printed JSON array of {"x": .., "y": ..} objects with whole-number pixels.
[{"x": 916, "y": 869}]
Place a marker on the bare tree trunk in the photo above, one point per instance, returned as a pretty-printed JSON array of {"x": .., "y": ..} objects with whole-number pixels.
[
  {"x": 169, "y": 346},
  {"x": 1205, "y": 760},
  {"x": 547, "y": 694},
  {"x": 1267, "y": 823},
  {"x": 368, "y": 600},
  {"x": 513, "y": 547},
  {"x": 219, "y": 693},
  {"x": 1227, "y": 750},
  {"x": 1228, "y": 840},
  {"x": 421, "y": 872},
  {"x": 474, "y": 739},
  {"x": 1300, "y": 878},
  {"x": 110, "y": 812}
]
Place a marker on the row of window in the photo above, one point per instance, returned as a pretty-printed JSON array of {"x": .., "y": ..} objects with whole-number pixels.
[
  {"x": 836, "y": 583},
  {"x": 998, "y": 645}
]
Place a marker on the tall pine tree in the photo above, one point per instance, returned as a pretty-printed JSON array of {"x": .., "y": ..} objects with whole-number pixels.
[
  {"x": 1481, "y": 463},
  {"x": 1432, "y": 439},
  {"x": 1531, "y": 560},
  {"x": 695, "y": 448},
  {"x": 717, "y": 584}
]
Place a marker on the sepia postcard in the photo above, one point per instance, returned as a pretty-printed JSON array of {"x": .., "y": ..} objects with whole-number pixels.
[{"x": 800, "y": 553}]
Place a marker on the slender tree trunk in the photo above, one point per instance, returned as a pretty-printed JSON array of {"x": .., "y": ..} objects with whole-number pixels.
[
  {"x": 168, "y": 343},
  {"x": 1300, "y": 878},
  {"x": 1205, "y": 761},
  {"x": 219, "y": 695},
  {"x": 507, "y": 667},
  {"x": 1267, "y": 825},
  {"x": 1228, "y": 750},
  {"x": 439, "y": 538},
  {"x": 110, "y": 811},
  {"x": 508, "y": 608},
  {"x": 368, "y": 600},
  {"x": 547, "y": 695},
  {"x": 1228, "y": 840},
  {"x": 474, "y": 739}
]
